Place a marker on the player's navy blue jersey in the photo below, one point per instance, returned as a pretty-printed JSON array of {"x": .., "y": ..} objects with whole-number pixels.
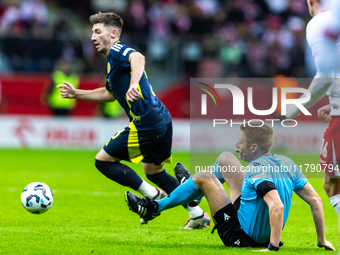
[{"x": 147, "y": 112}]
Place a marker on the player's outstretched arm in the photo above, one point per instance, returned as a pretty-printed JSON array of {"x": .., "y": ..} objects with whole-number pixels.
[
  {"x": 318, "y": 89},
  {"x": 323, "y": 113},
  {"x": 308, "y": 194},
  {"x": 100, "y": 95}
]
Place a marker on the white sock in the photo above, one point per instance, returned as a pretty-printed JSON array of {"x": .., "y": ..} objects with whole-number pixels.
[
  {"x": 194, "y": 212},
  {"x": 335, "y": 201},
  {"x": 147, "y": 190}
]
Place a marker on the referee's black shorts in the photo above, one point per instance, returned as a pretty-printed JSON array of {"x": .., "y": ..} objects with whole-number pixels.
[{"x": 229, "y": 228}]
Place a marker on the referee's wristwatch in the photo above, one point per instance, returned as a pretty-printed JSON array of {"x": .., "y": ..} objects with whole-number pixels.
[{"x": 272, "y": 247}]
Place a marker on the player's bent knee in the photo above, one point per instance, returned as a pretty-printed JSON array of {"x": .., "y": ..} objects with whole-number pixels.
[
  {"x": 103, "y": 156},
  {"x": 331, "y": 185},
  {"x": 329, "y": 180},
  {"x": 226, "y": 154},
  {"x": 150, "y": 168},
  {"x": 102, "y": 166},
  {"x": 107, "y": 168},
  {"x": 206, "y": 175},
  {"x": 203, "y": 178},
  {"x": 226, "y": 158}
]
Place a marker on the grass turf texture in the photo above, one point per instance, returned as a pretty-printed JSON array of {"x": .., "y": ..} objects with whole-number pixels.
[{"x": 90, "y": 215}]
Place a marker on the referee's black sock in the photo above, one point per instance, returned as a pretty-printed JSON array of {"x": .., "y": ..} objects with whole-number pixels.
[{"x": 119, "y": 173}]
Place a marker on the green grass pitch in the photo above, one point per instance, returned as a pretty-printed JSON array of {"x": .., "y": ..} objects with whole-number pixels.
[{"x": 90, "y": 215}]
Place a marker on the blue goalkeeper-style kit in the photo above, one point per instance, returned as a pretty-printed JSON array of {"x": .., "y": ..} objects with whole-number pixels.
[
  {"x": 148, "y": 138},
  {"x": 245, "y": 223},
  {"x": 253, "y": 213}
]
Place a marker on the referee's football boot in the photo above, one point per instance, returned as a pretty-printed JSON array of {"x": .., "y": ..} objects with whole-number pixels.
[
  {"x": 198, "y": 223},
  {"x": 161, "y": 194},
  {"x": 144, "y": 207},
  {"x": 182, "y": 175}
]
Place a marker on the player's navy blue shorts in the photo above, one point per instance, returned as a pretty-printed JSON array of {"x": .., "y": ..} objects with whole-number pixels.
[
  {"x": 148, "y": 146},
  {"x": 229, "y": 228}
]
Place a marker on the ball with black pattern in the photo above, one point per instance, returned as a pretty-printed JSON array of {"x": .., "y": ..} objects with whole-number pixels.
[{"x": 37, "y": 197}]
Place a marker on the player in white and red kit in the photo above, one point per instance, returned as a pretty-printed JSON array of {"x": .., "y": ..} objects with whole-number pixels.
[
  {"x": 331, "y": 33},
  {"x": 325, "y": 82}
]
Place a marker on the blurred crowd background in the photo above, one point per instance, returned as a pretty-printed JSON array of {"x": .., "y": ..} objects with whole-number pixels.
[
  {"x": 180, "y": 38},
  {"x": 46, "y": 42}
]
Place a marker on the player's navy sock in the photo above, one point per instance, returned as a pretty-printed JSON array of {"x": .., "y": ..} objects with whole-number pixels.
[
  {"x": 167, "y": 183},
  {"x": 119, "y": 173},
  {"x": 164, "y": 180},
  {"x": 183, "y": 194}
]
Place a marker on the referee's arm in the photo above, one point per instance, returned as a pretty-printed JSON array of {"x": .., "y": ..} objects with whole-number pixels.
[
  {"x": 276, "y": 210},
  {"x": 308, "y": 194}
]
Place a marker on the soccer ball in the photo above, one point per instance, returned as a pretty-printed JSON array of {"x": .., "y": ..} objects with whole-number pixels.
[{"x": 37, "y": 197}]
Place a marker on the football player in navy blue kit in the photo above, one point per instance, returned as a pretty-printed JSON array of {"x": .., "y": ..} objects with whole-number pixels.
[{"x": 148, "y": 138}]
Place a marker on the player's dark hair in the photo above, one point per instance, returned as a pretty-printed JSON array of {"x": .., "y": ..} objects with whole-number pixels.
[
  {"x": 108, "y": 19},
  {"x": 259, "y": 133}
]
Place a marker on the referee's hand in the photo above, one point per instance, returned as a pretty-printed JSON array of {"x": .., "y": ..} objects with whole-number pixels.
[
  {"x": 264, "y": 250},
  {"x": 327, "y": 245}
]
